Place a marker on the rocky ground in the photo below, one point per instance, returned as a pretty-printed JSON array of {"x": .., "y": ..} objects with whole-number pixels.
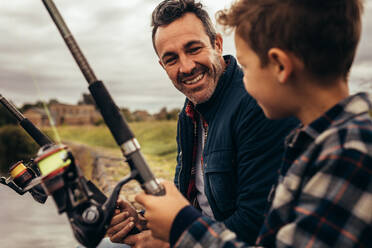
[{"x": 105, "y": 168}]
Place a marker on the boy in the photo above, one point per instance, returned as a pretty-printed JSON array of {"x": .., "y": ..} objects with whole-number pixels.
[{"x": 296, "y": 56}]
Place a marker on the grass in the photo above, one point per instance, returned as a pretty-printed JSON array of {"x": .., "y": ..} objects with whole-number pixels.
[{"x": 157, "y": 140}]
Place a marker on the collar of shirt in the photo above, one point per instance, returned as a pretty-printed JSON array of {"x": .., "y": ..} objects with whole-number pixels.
[{"x": 300, "y": 138}]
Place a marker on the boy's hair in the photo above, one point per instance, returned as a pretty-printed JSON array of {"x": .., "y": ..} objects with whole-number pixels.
[
  {"x": 324, "y": 34},
  {"x": 170, "y": 10}
]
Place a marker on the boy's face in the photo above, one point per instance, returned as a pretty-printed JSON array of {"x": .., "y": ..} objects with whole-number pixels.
[
  {"x": 260, "y": 82},
  {"x": 188, "y": 57}
]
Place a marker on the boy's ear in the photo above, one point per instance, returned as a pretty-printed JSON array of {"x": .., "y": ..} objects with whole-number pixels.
[{"x": 282, "y": 62}]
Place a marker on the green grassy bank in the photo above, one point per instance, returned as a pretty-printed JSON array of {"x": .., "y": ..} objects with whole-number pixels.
[{"x": 157, "y": 140}]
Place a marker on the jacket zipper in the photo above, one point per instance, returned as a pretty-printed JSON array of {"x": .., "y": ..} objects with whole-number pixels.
[
  {"x": 181, "y": 157},
  {"x": 205, "y": 142}
]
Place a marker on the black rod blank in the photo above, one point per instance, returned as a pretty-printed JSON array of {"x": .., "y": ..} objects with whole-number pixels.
[
  {"x": 70, "y": 41},
  {"x": 40, "y": 138}
]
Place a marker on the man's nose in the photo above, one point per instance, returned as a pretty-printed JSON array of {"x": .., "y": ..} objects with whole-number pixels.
[{"x": 186, "y": 64}]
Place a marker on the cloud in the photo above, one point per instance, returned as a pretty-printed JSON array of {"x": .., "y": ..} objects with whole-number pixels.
[{"x": 115, "y": 36}]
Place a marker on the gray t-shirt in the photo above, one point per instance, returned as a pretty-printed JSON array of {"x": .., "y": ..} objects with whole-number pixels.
[{"x": 199, "y": 179}]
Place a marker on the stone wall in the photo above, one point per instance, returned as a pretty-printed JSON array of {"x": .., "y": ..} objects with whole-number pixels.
[{"x": 104, "y": 170}]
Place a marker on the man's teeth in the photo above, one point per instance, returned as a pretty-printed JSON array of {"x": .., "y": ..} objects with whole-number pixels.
[{"x": 195, "y": 80}]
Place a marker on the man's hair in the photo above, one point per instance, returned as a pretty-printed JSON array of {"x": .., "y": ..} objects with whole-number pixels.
[
  {"x": 170, "y": 10},
  {"x": 324, "y": 34}
]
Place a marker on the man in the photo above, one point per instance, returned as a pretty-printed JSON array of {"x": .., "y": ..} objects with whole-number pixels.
[
  {"x": 324, "y": 194},
  {"x": 228, "y": 152}
]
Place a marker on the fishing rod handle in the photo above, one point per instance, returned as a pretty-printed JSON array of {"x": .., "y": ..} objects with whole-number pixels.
[
  {"x": 110, "y": 113},
  {"x": 124, "y": 138},
  {"x": 147, "y": 180},
  {"x": 70, "y": 42},
  {"x": 40, "y": 138}
]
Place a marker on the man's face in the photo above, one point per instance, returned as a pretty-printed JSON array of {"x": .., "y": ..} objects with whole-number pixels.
[{"x": 188, "y": 57}]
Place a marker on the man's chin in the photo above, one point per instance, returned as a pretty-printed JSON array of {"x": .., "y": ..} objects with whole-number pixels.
[
  {"x": 199, "y": 100},
  {"x": 201, "y": 94}
]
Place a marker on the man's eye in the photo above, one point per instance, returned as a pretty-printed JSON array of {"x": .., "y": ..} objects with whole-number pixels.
[
  {"x": 170, "y": 61},
  {"x": 194, "y": 50}
]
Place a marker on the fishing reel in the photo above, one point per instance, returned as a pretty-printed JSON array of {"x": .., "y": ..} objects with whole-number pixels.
[
  {"x": 89, "y": 211},
  {"x": 21, "y": 177}
]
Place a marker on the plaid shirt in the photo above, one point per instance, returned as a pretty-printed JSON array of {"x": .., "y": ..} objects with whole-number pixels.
[
  {"x": 191, "y": 190},
  {"x": 324, "y": 194}
]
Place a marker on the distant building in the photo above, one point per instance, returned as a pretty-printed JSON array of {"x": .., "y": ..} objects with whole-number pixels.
[
  {"x": 64, "y": 114},
  {"x": 37, "y": 116}
]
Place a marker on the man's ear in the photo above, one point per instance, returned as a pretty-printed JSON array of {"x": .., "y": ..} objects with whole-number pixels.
[
  {"x": 282, "y": 62},
  {"x": 218, "y": 43}
]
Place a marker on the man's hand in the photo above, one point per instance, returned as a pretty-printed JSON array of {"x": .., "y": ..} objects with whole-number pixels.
[
  {"x": 124, "y": 219},
  {"x": 145, "y": 240},
  {"x": 161, "y": 210}
]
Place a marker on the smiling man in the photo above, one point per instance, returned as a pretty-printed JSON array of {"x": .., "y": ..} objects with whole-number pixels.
[
  {"x": 192, "y": 59},
  {"x": 228, "y": 152}
]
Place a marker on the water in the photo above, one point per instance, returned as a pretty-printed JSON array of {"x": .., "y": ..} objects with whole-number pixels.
[{"x": 27, "y": 223}]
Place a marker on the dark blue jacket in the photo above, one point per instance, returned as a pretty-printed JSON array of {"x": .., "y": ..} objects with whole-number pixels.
[{"x": 242, "y": 154}]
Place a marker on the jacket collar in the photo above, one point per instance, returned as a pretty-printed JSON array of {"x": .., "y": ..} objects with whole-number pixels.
[{"x": 348, "y": 108}]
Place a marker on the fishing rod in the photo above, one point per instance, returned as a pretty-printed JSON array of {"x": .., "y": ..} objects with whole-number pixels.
[
  {"x": 110, "y": 112},
  {"x": 22, "y": 175},
  {"x": 92, "y": 220}
]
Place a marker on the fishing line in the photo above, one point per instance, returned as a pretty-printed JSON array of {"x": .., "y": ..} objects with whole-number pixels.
[
  {"x": 51, "y": 120},
  {"x": 46, "y": 109}
]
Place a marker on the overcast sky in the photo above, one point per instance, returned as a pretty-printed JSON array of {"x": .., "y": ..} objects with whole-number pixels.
[{"x": 115, "y": 36}]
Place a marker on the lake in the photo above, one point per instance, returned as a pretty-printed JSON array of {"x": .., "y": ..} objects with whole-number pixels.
[{"x": 27, "y": 223}]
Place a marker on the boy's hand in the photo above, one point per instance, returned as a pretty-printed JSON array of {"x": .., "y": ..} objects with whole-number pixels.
[
  {"x": 161, "y": 210},
  {"x": 122, "y": 223}
]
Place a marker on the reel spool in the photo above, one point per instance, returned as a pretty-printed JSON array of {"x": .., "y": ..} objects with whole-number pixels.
[
  {"x": 61, "y": 177},
  {"x": 21, "y": 175},
  {"x": 25, "y": 178}
]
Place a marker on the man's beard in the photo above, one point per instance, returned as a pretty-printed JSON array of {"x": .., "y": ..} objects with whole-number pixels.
[{"x": 212, "y": 76}]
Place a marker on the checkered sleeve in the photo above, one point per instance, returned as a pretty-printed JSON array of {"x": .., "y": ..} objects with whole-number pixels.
[
  {"x": 334, "y": 203},
  {"x": 333, "y": 207},
  {"x": 205, "y": 232}
]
